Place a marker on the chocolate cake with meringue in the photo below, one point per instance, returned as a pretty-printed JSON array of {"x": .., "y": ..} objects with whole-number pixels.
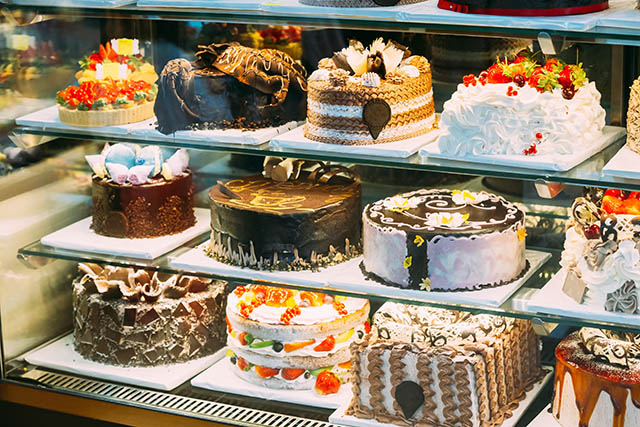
[
  {"x": 370, "y": 96},
  {"x": 130, "y": 317},
  {"x": 430, "y": 366},
  {"x": 296, "y": 340}
]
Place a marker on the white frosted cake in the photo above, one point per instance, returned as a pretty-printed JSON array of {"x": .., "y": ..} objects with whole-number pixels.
[
  {"x": 285, "y": 339},
  {"x": 443, "y": 240},
  {"x": 435, "y": 367},
  {"x": 519, "y": 107}
]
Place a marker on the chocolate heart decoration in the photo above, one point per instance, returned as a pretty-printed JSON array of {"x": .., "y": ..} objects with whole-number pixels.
[
  {"x": 386, "y": 2},
  {"x": 376, "y": 114},
  {"x": 410, "y": 397}
]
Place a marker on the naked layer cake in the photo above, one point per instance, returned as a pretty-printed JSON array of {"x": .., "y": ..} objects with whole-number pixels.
[
  {"x": 231, "y": 86},
  {"x": 130, "y": 317},
  {"x": 286, "y": 339},
  {"x": 443, "y": 240},
  {"x": 524, "y": 8},
  {"x": 141, "y": 192},
  {"x": 370, "y": 96},
  {"x": 435, "y": 367},
  {"x": 520, "y": 107},
  {"x": 600, "y": 255},
  {"x": 305, "y": 221},
  {"x": 597, "y": 382}
]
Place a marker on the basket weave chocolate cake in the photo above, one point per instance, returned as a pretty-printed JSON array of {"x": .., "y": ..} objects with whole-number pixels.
[
  {"x": 128, "y": 317},
  {"x": 230, "y": 86},
  {"x": 305, "y": 222}
]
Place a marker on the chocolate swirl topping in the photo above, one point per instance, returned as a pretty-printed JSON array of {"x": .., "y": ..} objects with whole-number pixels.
[{"x": 616, "y": 348}]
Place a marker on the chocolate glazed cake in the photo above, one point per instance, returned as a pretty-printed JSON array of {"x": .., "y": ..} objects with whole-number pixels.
[
  {"x": 156, "y": 208},
  {"x": 524, "y": 8},
  {"x": 302, "y": 223},
  {"x": 128, "y": 317},
  {"x": 443, "y": 240},
  {"x": 230, "y": 86}
]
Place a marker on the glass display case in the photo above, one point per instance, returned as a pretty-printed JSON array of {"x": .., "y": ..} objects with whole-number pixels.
[{"x": 49, "y": 170}]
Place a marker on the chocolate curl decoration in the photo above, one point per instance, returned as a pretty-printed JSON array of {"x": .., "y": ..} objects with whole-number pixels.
[
  {"x": 132, "y": 293},
  {"x": 176, "y": 289},
  {"x": 280, "y": 169},
  {"x": 195, "y": 284},
  {"x": 226, "y": 191},
  {"x": 108, "y": 288}
]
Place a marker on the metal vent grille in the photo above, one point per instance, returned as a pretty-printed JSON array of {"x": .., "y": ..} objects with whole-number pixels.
[{"x": 215, "y": 411}]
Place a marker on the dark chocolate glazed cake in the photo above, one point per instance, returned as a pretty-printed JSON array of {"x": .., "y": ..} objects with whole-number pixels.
[
  {"x": 524, "y": 8},
  {"x": 156, "y": 208},
  {"x": 443, "y": 240},
  {"x": 230, "y": 86},
  {"x": 301, "y": 223},
  {"x": 128, "y": 317}
]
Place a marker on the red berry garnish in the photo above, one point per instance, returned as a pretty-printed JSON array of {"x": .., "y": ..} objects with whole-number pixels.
[
  {"x": 538, "y": 135},
  {"x": 592, "y": 232},
  {"x": 327, "y": 383},
  {"x": 519, "y": 80},
  {"x": 242, "y": 338},
  {"x": 242, "y": 364},
  {"x": 533, "y": 149},
  {"x": 291, "y": 373},
  {"x": 568, "y": 92},
  {"x": 613, "y": 192},
  {"x": 265, "y": 372},
  {"x": 367, "y": 327}
]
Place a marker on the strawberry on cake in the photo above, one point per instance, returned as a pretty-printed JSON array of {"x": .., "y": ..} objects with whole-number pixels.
[
  {"x": 297, "y": 340},
  {"x": 521, "y": 107}
]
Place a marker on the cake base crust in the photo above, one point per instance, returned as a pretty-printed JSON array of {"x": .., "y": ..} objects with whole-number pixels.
[{"x": 118, "y": 116}]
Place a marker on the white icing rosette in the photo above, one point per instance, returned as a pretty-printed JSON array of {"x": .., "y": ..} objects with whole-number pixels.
[{"x": 573, "y": 249}]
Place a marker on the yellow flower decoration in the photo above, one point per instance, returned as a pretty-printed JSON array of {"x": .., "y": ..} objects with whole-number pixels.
[
  {"x": 522, "y": 233},
  {"x": 465, "y": 217},
  {"x": 425, "y": 285},
  {"x": 407, "y": 261},
  {"x": 418, "y": 241}
]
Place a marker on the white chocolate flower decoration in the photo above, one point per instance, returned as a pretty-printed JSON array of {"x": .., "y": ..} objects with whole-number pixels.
[
  {"x": 319, "y": 75},
  {"x": 467, "y": 197},
  {"x": 370, "y": 80},
  {"x": 409, "y": 71},
  {"x": 399, "y": 203},
  {"x": 447, "y": 219}
]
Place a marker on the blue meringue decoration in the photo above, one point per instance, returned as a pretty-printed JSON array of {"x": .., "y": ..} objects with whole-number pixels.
[
  {"x": 129, "y": 163},
  {"x": 118, "y": 173},
  {"x": 122, "y": 155}
]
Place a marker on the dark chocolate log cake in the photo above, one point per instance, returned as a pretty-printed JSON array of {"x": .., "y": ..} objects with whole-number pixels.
[
  {"x": 524, "y": 8},
  {"x": 230, "y": 86},
  {"x": 128, "y": 317},
  {"x": 302, "y": 223}
]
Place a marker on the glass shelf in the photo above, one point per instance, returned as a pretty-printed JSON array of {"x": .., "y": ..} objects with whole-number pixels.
[
  {"x": 441, "y": 22},
  {"x": 588, "y": 173},
  {"x": 516, "y": 306}
]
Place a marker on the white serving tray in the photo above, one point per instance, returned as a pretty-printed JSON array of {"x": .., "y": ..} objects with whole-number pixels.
[
  {"x": 551, "y": 300},
  {"x": 220, "y": 377},
  {"x": 428, "y": 12},
  {"x": 399, "y": 149},
  {"x": 80, "y": 237},
  {"x": 251, "y": 5},
  {"x": 552, "y": 162},
  {"x": 294, "y": 7},
  {"x": 195, "y": 260},
  {"x": 73, "y": 3},
  {"x": 147, "y": 130},
  {"x": 338, "y": 417},
  {"x": 545, "y": 419},
  {"x": 348, "y": 276},
  {"x": 621, "y": 14},
  {"x": 625, "y": 164},
  {"x": 61, "y": 355}
]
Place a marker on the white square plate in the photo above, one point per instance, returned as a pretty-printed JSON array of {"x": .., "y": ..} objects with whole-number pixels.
[
  {"x": 220, "y": 377},
  {"x": 62, "y": 355},
  {"x": 252, "y": 5},
  {"x": 621, "y": 14},
  {"x": 552, "y": 162},
  {"x": 348, "y": 276},
  {"x": 80, "y": 237},
  {"x": 552, "y": 300},
  {"x": 294, "y": 7},
  {"x": 625, "y": 164},
  {"x": 545, "y": 419},
  {"x": 338, "y": 417},
  {"x": 399, "y": 149}
]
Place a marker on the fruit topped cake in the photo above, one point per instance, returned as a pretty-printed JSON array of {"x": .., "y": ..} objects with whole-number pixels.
[
  {"x": 289, "y": 339},
  {"x": 141, "y": 191},
  {"x": 600, "y": 254},
  {"x": 522, "y": 107},
  {"x": 231, "y": 86},
  {"x": 524, "y": 8},
  {"x": 443, "y": 240},
  {"x": 597, "y": 381},
  {"x": 116, "y": 87},
  {"x": 370, "y": 96}
]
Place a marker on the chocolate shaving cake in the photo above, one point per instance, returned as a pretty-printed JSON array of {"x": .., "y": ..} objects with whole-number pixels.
[
  {"x": 443, "y": 240},
  {"x": 305, "y": 222},
  {"x": 435, "y": 367},
  {"x": 230, "y": 86},
  {"x": 524, "y": 8},
  {"x": 128, "y": 317}
]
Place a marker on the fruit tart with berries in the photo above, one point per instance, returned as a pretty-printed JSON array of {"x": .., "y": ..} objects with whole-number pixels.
[
  {"x": 296, "y": 340},
  {"x": 523, "y": 106},
  {"x": 600, "y": 254}
]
